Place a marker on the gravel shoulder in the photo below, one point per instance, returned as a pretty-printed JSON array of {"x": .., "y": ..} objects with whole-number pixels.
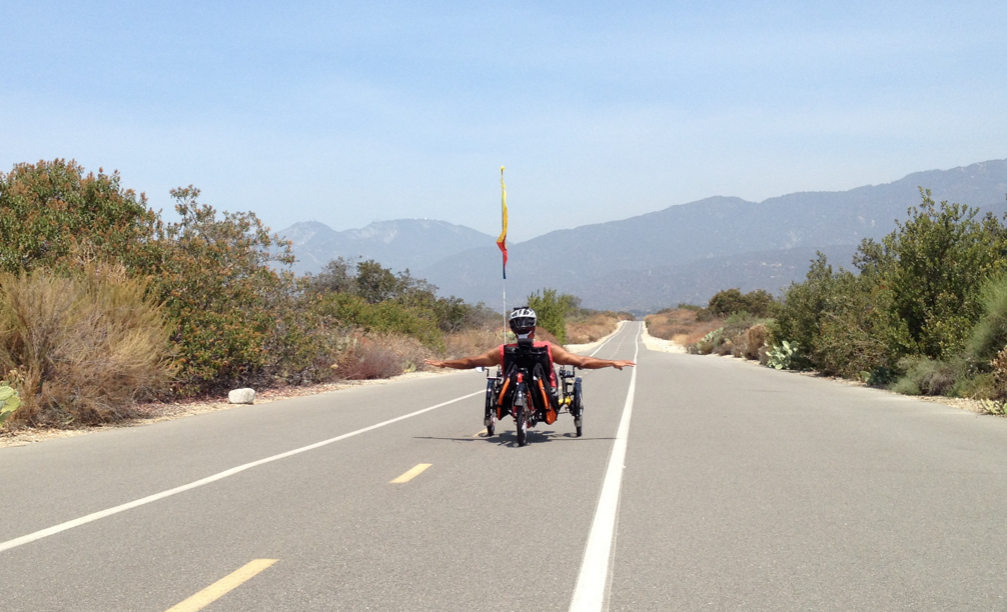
[{"x": 153, "y": 412}]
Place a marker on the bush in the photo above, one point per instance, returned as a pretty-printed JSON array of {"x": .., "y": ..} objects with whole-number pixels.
[
  {"x": 85, "y": 348},
  {"x": 215, "y": 278},
  {"x": 989, "y": 335},
  {"x": 934, "y": 265},
  {"x": 471, "y": 342},
  {"x": 375, "y": 356},
  {"x": 352, "y": 311},
  {"x": 591, "y": 328},
  {"x": 680, "y": 326},
  {"x": 979, "y": 386},
  {"x": 755, "y": 340},
  {"x": 925, "y": 376},
  {"x": 51, "y": 213},
  {"x": 375, "y": 284},
  {"x": 731, "y": 338},
  {"x": 552, "y": 309},
  {"x": 730, "y": 301}
]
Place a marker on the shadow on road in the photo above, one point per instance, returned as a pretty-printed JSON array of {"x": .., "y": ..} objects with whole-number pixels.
[{"x": 509, "y": 438}]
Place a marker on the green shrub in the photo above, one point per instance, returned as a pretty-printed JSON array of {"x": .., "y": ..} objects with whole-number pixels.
[
  {"x": 215, "y": 278},
  {"x": 978, "y": 386},
  {"x": 855, "y": 331},
  {"x": 917, "y": 295},
  {"x": 804, "y": 304},
  {"x": 353, "y": 311},
  {"x": 52, "y": 214},
  {"x": 552, "y": 309},
  {"x": 730, "y": 301},
  {"x": 376, "y": 284},
  {"x": 989, "y": 335},
  {"x": 924, "y": 376},
  {"x": 934, "y": 265}
]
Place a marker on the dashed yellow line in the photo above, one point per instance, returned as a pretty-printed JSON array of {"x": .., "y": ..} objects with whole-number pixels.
[
  {"x": 222, "y": 587},
  {"x": 413, "y": 473}
]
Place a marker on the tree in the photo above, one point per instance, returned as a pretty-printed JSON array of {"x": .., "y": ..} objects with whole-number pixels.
[
  {"x": 552, "y": 309},
  {"x": 338, "y": 276},
  {"x": 759, "y": 303},
  {"x": 218, "y": 287},
  {"x": 934, "y": 264},
  {"x": 53, "y": 215}
]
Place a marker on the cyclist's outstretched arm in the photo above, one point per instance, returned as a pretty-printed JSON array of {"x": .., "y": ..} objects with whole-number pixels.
[
  {"x": 564, "y": 357},
  {"x": 487, "y": 359}
]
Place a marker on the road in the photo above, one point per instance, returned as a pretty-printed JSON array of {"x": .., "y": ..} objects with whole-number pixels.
[{"x": 741, "y": 488}]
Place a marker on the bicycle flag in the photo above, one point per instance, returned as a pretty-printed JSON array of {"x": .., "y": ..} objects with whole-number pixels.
[{"x": 502, "y": 240}]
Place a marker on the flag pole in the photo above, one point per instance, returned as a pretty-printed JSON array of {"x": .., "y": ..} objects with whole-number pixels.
[{"x": 502, "y": 243}]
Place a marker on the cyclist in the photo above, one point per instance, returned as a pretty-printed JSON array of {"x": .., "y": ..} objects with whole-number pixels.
[{"x": 522, "y": 322}]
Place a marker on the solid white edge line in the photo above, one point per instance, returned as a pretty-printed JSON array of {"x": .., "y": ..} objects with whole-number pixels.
[
  {"x": 38, "y": 535},
  {"x": 592, "y": 582}
]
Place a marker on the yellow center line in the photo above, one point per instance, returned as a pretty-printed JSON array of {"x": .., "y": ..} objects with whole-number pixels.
[
  {"x": 222, "y": 587},
  {"x": 480, "y": 434},
  {"x": 413, "y": 473}
]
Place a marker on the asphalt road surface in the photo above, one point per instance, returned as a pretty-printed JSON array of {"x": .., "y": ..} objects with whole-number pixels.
[{"x": 701, "y": 483}]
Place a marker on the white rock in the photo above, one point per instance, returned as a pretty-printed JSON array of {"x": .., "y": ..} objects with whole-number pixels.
[{"x": 241, "y": 396}]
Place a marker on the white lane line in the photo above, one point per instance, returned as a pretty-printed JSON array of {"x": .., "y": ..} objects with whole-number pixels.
[
  {"x": 592, "y": 583},
  {"x": 38, "y": 535}
]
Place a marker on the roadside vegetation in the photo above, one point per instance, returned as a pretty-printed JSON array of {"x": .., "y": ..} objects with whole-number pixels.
[
  {"x": 732, "y": 323},
  {"x": 104, "y": 304},
  {"x": 922, "y": 312},
  {"x": 562, "y": 315}
]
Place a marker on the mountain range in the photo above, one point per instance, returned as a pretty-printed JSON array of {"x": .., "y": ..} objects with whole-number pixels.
[
  {"x": 402, "y": 244},
  {"x": 683, "y": 253}
]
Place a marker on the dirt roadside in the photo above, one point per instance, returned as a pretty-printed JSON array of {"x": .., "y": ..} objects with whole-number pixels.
[{"x": 154, "y": 412}]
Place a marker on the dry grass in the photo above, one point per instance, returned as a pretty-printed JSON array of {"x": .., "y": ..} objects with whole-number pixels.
[
  {"x": 373, "y": 356},
  {"x": 471, "y": 342},
  {"x": 594, "y": 327},
  {"x": 83, "y": 349},
  {"x": 680, "y": 326},
  {"x": 755, "y": 342}
]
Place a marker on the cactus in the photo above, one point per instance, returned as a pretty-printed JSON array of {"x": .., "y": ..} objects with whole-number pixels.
[
  {"x": 993, "y": 406},
  {"x": 9, "y": 401},
  {"x": 781, "y": 356}
]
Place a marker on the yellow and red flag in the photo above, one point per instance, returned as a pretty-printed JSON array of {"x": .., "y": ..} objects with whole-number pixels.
[{"x": 502, "y": 240}]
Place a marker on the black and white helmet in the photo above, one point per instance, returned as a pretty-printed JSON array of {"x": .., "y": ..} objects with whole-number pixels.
[{"x": 522, "y": 320}]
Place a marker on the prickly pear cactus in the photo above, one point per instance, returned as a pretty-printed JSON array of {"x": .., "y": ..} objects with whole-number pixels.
[
  {"x": 9, "y": 401},
  {"x": 782, "y": 356}
]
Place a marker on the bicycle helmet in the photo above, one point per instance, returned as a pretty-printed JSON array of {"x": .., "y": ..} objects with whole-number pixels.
[{"x": 522, "y": 321}]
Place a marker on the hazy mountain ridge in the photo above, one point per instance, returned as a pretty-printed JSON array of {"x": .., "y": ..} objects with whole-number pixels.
[
  {"x": 695, "y": 282},
  {"x": 574, "y": 260},
  {"x": 399, "y": 244},
  {"x": 683, "y": 253}
]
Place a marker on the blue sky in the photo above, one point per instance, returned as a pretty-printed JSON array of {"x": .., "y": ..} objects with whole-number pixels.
[{"x": 352, "y": 112}]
